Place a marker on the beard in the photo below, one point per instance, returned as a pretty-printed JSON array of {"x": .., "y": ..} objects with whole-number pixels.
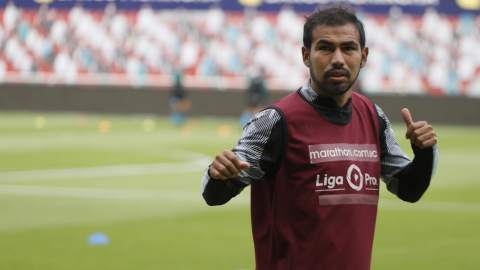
[{"x": 336, "y": 89}]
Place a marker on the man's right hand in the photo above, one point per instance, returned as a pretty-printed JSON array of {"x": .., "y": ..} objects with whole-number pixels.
[{"x": 227, "y": 165}]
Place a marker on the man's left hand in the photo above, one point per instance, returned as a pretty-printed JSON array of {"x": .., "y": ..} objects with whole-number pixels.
[{"x": 420, "y": 133}]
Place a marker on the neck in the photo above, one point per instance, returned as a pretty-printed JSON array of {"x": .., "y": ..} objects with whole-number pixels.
[{"x": 340, "y": 99}]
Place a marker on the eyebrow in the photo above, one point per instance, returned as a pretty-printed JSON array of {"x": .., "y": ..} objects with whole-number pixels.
[{"x": 346, "y": 43}]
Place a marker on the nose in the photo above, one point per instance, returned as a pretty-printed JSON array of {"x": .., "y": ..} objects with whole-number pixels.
[{"x": 337, "y": 58}]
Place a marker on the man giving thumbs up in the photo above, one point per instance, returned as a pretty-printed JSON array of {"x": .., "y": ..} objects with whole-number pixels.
[{"x": 314, "y": 159}]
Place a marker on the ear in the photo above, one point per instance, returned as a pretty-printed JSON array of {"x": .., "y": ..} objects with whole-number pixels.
[
  {"x": 306, "y": 56},
  {"x": 364, "y": 56}
]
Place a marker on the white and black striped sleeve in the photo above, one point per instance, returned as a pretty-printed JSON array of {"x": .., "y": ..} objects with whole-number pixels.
[
  {"x": 259, "y": 147},
  {"x": 405, "y": 178}
]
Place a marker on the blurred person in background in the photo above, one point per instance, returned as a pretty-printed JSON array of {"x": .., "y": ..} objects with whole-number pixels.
[
  {"x": 314, "y": 159},
  {"x": 179, "y": 104},
  {"x": 255, "y": 96}
]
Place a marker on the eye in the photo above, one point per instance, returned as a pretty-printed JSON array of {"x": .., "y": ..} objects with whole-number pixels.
[
  {"x": 350, "y": 48},
  {"x": 322, "y": 48}
]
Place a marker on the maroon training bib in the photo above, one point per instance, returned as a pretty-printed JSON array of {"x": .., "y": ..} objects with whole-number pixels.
[{"x": 320, "y": 210}]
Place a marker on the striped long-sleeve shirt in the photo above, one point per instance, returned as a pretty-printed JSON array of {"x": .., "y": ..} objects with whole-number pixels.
[{"x": 261, "y": 146}]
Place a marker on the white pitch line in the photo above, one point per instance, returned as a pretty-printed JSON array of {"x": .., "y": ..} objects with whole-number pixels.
[
  {"x": 105, "y": 171},
  {"x": 196, "y": 197},
  {"x": 107, "y": 193}
]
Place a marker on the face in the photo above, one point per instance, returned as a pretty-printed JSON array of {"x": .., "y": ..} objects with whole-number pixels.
[{"x": 335, "y": 58}]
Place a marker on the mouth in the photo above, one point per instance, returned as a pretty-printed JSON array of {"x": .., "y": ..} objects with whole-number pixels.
[
  {"x": 337, "y": 78},
  {"x": 337, "y": 75}
]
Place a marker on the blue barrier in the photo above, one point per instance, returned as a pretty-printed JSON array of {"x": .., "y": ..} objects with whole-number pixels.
[{"x": 449, "y": 7}]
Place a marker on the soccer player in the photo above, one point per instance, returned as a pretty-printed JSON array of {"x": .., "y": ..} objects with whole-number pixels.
[
  {"x": 179, "y": 104},
  {"x": 314, "y": 159},
  {"x": 255, "y": 97}
]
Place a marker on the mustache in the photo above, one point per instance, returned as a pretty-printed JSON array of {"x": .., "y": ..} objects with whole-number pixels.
[{"x": 327, "y": 72}]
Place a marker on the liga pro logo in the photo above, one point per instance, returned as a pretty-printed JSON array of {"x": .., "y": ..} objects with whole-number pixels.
[
  {"x": 355, "y": 179},
  {"x": 343, "y": 151}
]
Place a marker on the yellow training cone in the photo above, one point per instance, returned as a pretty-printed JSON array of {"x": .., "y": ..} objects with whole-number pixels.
[
  {"x": 104, "y": 126},
  {"x": 224, "y": 130}
]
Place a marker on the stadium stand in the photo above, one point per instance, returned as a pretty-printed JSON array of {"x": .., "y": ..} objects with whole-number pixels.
[{"x": 432, "y": 54}]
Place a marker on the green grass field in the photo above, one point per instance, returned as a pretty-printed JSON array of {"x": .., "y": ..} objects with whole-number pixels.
[{"x": 61, "y": 180}]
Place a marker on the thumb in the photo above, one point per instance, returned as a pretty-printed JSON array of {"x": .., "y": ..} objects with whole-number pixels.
[
  {"x": 407, "y": 117},
  {"x": 244, "y": 165}
]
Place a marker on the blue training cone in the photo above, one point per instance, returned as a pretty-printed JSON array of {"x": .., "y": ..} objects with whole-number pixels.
[{"x": 98, "y": 239}]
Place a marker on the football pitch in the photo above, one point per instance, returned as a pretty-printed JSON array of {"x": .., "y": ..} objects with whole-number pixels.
[{"x": 137, "y": 180}]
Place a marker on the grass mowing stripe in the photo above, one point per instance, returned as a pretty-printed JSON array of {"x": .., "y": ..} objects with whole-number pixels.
[
  {"x": 189, "y": 196},
  {"x": 105, "y": 171},
  {"x": 432, "y": 206},
  {"x": 101, "y": 193}
]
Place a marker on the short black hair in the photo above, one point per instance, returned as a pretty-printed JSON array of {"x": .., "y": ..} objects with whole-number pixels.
[{"x": 332, "y": 15}]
